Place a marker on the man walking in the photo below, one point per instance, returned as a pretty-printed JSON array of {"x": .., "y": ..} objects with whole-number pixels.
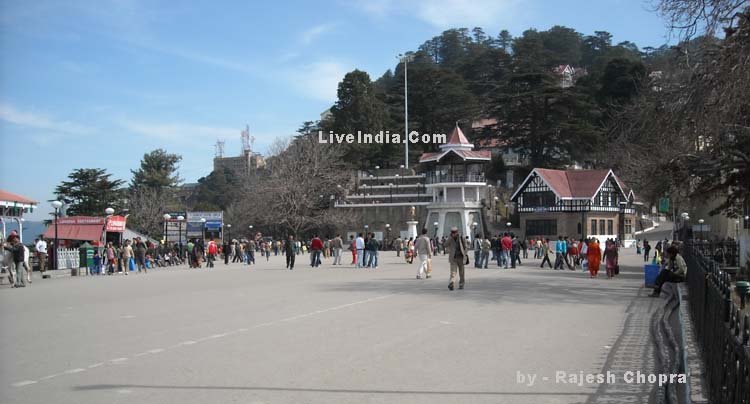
[
  {"x": 359, "y": 245},
  {"x": 398, "y": 245},
  {"x": 41, "y": 253},
  {"x": 515, "y": 252},
  {"x": 17, "y": 267},
  {"x": 213, "y": 249},
  {"x": 338, "y": 246},
  {"x": 316, "y": 245},
  {"x": 423, "y": 250},
  {"x": 560, "y": 251},
  {"x": 544, "y": 252},
  {"x": 456, "y": 247},
  {"x": 289, "y": 248}
]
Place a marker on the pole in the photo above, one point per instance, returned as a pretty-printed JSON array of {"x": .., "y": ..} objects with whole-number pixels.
[
  {"x": 406, "y": 112},
  {"x": 56, "y": 216}
]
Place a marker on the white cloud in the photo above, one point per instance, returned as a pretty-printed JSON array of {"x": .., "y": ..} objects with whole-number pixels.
[
  {"x": 318, "y": 80},
  {"x": 178, "y": 131},
  {"x": 314, "y": 32},
  {"x": 36, "y": 120},
  {"x": 447, "y": 13}
]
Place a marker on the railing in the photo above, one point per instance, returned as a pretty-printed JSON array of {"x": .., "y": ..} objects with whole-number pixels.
[
  {"x": 67, "y": 258},
  {"x": 721, "y": 329},
  {"x": 438, "y": 177},
  {"x": 724, "y": 253}
]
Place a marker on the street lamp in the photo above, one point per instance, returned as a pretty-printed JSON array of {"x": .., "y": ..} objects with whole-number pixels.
[
  {"x": 405, "y": 59},
  {"x": 366, "y": 227},
  {"x": 507, "y": 226},
  {"x": 57, "y": 205},
  {"x": 167, "y": 218},
  {"x": 229, "y": 232},
  {"x": 436, "y": 224},
  {"x": 203, "y": 228},
  {"x": 474, "y": 230},
  {"x": 701, "y": 221},
  {"x": 179, "y": 232},
  {"x": 387, "y": 234},
  {"x": 390, "y": 188},
  {"x": 497, "y": 209}
]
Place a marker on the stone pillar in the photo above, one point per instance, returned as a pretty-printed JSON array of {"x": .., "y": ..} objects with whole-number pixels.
[{"x": 412, "y": 228}]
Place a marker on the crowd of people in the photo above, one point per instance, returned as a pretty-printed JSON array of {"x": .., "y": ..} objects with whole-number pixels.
[{"x": 506, "y": 250}]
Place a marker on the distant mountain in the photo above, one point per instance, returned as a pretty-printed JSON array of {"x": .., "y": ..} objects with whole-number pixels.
[{"x": 31, "y": 229}]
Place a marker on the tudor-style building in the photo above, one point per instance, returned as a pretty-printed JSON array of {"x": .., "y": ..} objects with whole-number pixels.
[{"x": 575, "y": 203}]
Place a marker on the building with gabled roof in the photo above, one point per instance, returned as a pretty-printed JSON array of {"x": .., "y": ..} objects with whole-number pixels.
[{"x": 575, "y": 203}]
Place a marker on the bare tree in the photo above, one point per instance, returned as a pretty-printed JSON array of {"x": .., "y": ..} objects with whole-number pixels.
[
  {"x": 691, "y": 16},
  {"x": 147, "y": 207}
]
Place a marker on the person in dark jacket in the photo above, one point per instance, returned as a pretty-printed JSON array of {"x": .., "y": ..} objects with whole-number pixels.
[
  {"x": 140, "y": 255},
  {"x": 17, "y": 250},
  {"x": 372, "y": 247},
  {"x": 289, "y": 251}
]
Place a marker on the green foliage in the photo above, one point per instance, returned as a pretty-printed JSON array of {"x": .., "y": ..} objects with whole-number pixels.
[
  {"x": 89, "y": 192},
  {"x": 158, "y": 170},
  {"x": 217, "y": 190}
]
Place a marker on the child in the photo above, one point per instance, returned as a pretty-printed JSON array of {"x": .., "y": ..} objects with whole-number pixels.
[{"x": 97, "y": 269}]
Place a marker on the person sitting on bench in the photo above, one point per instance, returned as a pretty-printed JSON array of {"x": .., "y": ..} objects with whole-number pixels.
[{"x": 674, "y": 272}]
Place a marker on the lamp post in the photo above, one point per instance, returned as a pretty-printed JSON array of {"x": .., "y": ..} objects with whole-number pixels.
[
  {"x": 701, "y": 221},
  {"x": 405, "y": 59},
  {"x": 229, "y": 232},
  {"x": 57, "y": 205},
  {"x": 474, "y": 231},
  {"x": 507, "y": 226},
  {"x": 436, "y": 224},
  {"x": 506, "y": 210},
  {"x": 497, "y": 209},
  {"x": 203, "y": 228},
  {"x": 108, "y": 212},
  {"x": 366, "y": 227},
  {"x": 251, "y": 232},
  {"x": 387, "y": 234},
  {"x": 390, "y": 188},
  {"x": 179, "y": 233},
  {"x": 167, "y": 217}
]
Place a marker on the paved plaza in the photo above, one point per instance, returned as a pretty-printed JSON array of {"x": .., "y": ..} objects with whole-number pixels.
[{"x": 264, "y": 334}]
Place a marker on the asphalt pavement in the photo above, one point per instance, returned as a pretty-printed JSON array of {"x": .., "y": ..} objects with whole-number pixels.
[{"x": 264, "y": 334}]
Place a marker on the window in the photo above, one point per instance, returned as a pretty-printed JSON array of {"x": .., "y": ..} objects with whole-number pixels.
[
  {"x": 593, "y": 227},
  {"x": 610, "y": 227},
  {"x": 541, "y": 227},
  {"x": 628, "y": 226},
  {"x": 601, "y": 226},
  {"x": 538, "y": 199}
]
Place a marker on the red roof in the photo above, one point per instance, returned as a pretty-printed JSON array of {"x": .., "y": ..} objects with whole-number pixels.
[
  {"x": 457, "y": 137},
  {"x": 85, "y": 228},
  {"x": 579, "y": 184},
  {"x": 11, "y": 197}
]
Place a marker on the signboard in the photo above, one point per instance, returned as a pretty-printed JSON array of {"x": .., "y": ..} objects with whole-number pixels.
[
  {"x": 175, "y": 215},
  {"x": 116, "y": 224},
  {"x": 81, "y": 220},
  {"x": 664, "y": 205},
  {"x": 214, "y": 221},
  {"x": 194, "y": 229}
]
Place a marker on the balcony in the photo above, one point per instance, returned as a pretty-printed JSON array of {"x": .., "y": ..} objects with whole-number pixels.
[{"x": 437, "y": 177}]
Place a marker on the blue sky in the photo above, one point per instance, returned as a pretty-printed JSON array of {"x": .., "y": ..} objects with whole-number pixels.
[{"x": 99, "y": 83}]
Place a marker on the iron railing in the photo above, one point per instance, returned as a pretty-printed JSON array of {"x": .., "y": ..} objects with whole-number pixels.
[
  {"x": 721, "y": 329},
  {"x": 435, "y": 177}
]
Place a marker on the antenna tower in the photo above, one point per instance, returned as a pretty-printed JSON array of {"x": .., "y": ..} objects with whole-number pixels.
[
  {"x": 219, "y": 148},
  {"x": 246, "y": 143}
]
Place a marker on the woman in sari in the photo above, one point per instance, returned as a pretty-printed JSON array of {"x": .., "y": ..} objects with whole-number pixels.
[
  {"x": 610, "y": 259},
  {"x": 594, "y": 255}
]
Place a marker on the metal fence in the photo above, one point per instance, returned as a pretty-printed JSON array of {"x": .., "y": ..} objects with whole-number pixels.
[
  {"x": 721, "y": 329},
  {"x": 67, "y": 258},
  {"x": 724, "y": 253}
]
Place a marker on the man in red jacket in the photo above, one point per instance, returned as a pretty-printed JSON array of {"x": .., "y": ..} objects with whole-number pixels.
[
  {"x": 213, "y": 249},
  {"x": 316, "y": 245},
  {"x": 507, "y": 244}
]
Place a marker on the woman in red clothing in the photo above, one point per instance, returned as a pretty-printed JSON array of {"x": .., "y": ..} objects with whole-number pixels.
[{"x": 594, "y": 257}]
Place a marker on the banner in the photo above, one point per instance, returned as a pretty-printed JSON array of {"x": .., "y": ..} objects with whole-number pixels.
[
  {"x": 81, "y": 220},
  {"x": 116, "y": 224}
]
